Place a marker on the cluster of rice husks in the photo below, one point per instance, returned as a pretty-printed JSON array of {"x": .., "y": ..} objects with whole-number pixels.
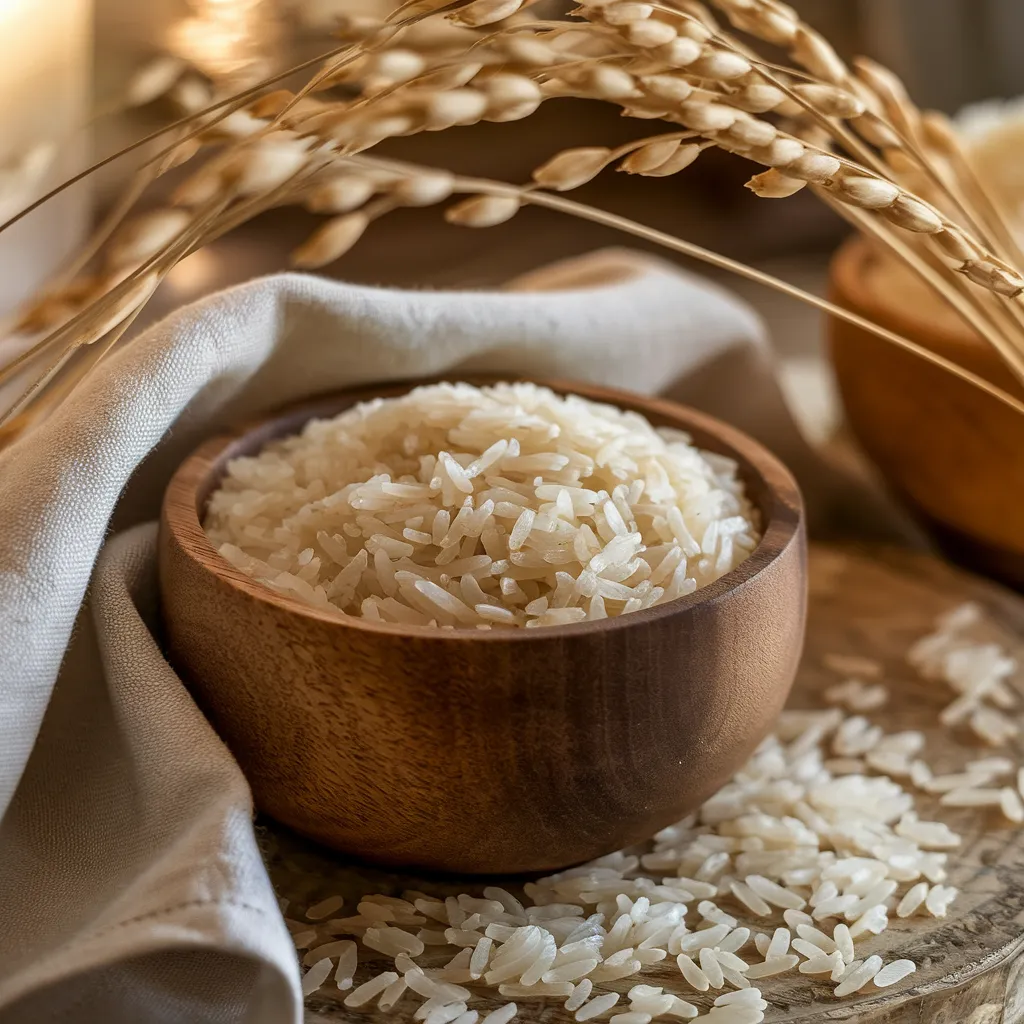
[
  {"x": 809, "y": 853},
  {"x": 460, "y": 506}
]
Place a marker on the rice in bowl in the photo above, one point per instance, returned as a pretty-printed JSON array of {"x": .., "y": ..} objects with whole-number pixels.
[{"x": 461, "y": 506}]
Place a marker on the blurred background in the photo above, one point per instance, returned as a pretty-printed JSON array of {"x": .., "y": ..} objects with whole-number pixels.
[{"x": 69, "y": 62}]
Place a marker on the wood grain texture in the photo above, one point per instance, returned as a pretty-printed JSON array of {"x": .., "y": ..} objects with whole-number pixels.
[
  {"x": 504, "y": 751},
  {"x": 871, "y": 602},
  {"x": 953, "y": 453}
]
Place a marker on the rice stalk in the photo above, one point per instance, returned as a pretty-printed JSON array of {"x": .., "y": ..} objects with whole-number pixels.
[
  {"x": 852, "y": 135},
  {"x": 987, "y": 318},
  {"x": 742, "y": 270}
]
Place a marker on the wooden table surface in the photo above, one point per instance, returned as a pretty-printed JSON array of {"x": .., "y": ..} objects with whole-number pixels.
[{"x": 867, "y": 601}]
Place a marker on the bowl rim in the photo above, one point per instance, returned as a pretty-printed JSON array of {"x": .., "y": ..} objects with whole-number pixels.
[{"x": 193, "y": 481}]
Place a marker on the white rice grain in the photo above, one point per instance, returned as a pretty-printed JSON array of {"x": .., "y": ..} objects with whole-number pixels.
[
  {"x": 776, "y": 965},
  {"x": 710, "y": 912},
  {"x": 853, "y": 665},
  {"x": 649, "y": 999},
  {"x": 748, "y": 997},
  {"x": 348, "y": 960},
  {"x": 325, "y": 908},
  {"x": 994, "y": 766},
  {"x": 397, "y": 498},
  {"x": 596, "y": 1007},
  {"x": 807, "y": 949},
  {"x": 443, "y": 1014},
  {"x": 316, "y": 976},
  {"x": 692, "y": 973},
  {"x": 370, "y": 989},
  {"x": 305, "y": 938},
  {"x": 502, "y": 1015},
  {"x": 580, "y": 994},
  {"x": 711, "y": 967},
  {"x": 392, "y": 994},
  {"x": 795, "y": 918},
  {"x": 816, "y": 937},
  {"x": 750, "y": 899},
  {"x": 858, "y": 978},
  {"x": 822, "y": 964},
  {"x": 1011, "y": 806},
  {"x": 844, "y": 942},
  {"x": 939, "y": 899},
  {"x": 735, "y": 940},
  {"x": 874, "y": 921},
  {"x": 538, "y": 990},
  {"x": 778, "y": 945},
  {"x": 972, "y": 798},
  {"x": 772, "y": 892},
  {"x": 328, "y": 949},
  {"x": 912, "y": 900},
  {"x": 392, "y": 941},
  {"x": 605, "y": 974},
  {"x": 894, "y": 972},
  {"x": 681, "y": 1009},
  {"x": 706, "y": 937}
]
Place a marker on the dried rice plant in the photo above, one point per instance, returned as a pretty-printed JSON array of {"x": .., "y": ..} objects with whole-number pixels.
[{"x": 850, "y": 134}]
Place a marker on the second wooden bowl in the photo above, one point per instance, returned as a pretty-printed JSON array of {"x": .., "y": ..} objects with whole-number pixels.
[
  {"x": 486, "y": 752},
  {"x": 953, "y": 453}
]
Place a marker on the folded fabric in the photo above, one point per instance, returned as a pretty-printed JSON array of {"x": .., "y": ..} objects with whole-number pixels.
[{"x": 131, "y": 886}]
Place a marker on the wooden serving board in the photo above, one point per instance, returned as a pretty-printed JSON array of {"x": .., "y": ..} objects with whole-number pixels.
[{"x": 872, "y": 602}]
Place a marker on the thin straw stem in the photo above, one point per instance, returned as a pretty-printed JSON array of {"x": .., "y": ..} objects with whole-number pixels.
[
  {"x": 714, "y": 259},
  {"x": 862, "y": 152},
  {"x": 162, "y": 262},
  {"x": 51, "y": 397},
  {"x": 856, "y": 146},
  {"x": 110, "y": 223},
  {"x": 994, "y": 211},
  {"x": 977, "y": 318},
  {"x": 630, "y": 227}
]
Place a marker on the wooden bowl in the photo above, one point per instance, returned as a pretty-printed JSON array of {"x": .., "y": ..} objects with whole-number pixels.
[
  {"x": 486, "y": 752},
  {"x": 951, "y": 452}
]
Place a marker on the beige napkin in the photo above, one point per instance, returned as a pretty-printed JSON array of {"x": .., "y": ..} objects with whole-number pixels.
[{"x": 131, "y": 887}]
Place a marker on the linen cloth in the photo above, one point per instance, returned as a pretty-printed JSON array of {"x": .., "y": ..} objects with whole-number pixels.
[{"x": 131, "y": 886}]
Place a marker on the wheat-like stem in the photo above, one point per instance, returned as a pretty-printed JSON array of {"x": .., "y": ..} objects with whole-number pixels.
[
  {"x": 34, "y": 405},
  {"x": 987, "y": 320},
  {"x": 93, "y": 323},
  {"x": 870, "y": 160},
  {"x": 598, "y": 216},
  {"x": 595, "y": 215},
  {"x": 669, "y": 60},
  {"x": 943, "y": 139},
  {"x": 782, "y": 26},
  {"x": 910, "y": 137}
]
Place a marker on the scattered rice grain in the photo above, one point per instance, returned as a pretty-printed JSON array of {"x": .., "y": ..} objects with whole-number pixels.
[{"x": 316, "y": 976}]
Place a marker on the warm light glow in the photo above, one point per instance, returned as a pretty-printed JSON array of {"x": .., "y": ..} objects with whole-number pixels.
[
  {"x": 12, "y": 7},
  {"x": 225, "y": 38},
  {"x": 194, "y": 274}
]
